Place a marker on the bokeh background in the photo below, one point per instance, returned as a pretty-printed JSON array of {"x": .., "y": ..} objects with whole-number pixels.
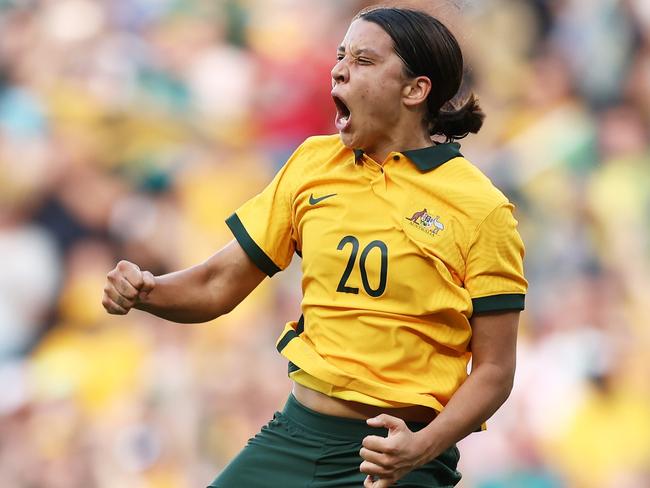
[{"x": 132, "y": 128}]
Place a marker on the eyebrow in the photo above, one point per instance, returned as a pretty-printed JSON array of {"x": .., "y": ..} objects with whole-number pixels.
[{"x": 363, "y": 50}]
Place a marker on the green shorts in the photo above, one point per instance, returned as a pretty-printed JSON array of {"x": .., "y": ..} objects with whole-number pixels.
[{"x": 301, "y": 448}]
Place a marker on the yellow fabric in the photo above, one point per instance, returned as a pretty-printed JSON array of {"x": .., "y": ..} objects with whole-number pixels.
[
  {"x": 305, "y": 379},
  {"x": 602, "y": 441},
  {"x": 419, "y": 245},
  {"x": 82, "y": 364}
]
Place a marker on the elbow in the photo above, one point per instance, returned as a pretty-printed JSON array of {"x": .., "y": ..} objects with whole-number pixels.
[
  {"x": 507, "y": 382},
  {"x": 212, "y": 308},
  {"x": 221, "y": 303},
  {"x": 500, "y": 378},
  {"x": 222, "y": 309},
  {"x": 206, "y": 314}
]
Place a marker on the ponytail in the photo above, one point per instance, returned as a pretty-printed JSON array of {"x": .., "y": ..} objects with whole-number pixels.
[{"x": 456, "y": 123}]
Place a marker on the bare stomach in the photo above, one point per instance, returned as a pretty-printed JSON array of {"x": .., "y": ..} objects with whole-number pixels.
[{"x": 337, "y": 407}]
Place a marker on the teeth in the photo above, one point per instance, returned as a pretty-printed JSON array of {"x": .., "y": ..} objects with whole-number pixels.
[{"x": 345, "y": 118}]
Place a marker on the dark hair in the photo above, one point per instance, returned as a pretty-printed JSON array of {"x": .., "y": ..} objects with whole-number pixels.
[{"x": 428, "y": 48}]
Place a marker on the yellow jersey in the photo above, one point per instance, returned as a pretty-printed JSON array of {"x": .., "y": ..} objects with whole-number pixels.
[{"x": 396, "y": 257}]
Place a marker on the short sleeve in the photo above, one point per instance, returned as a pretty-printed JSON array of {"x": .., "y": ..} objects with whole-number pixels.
[
  {"x": 263, "y": 225},
  {"x": 494, "y": 268}
]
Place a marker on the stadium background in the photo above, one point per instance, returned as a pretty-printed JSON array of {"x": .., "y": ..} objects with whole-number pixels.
[{"x": 132, "y": 128}]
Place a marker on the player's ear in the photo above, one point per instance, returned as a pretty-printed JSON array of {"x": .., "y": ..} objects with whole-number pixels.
[{"x": 416, "y": 90}]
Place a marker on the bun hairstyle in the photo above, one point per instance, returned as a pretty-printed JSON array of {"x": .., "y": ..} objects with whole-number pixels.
[{"x": 428, "y": 48}]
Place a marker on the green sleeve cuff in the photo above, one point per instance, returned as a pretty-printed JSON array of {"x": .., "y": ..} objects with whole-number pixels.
[
  {"x": 255, "y": 252},
  {"x": 499, "y": 303}
]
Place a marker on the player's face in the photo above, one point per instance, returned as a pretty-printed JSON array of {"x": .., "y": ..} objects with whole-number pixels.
[{"x": 367, "y": 82}]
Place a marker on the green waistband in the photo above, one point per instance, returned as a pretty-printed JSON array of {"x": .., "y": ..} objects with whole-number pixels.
[{"x": 340, "y": 427}]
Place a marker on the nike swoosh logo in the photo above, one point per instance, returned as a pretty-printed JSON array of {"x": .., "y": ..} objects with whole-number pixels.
[{"x": 314, "y": 201}]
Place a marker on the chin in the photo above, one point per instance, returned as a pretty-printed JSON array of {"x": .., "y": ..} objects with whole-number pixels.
[{"x": 349, "y": 140}]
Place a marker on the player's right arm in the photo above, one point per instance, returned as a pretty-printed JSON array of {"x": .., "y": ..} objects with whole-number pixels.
[
  {"x": 197, "y": 294},
  {"x": 264, "y": 227}
]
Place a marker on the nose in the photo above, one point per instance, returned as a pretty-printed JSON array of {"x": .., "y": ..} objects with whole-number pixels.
[{"x": 340, "y": 73}]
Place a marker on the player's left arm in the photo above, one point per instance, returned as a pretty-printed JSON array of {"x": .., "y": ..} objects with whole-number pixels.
[{"x": 493, "y": 345}]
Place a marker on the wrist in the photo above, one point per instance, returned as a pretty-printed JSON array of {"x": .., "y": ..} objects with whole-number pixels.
[
  {"x": 144, "y": 297},
  {"x": 429, "y": 444}
]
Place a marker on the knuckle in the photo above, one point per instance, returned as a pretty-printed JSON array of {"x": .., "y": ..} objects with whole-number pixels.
[
  {"x": 149, "y": 279},
  {"x": 130, "y": 295},
  {"x": 124, "y": 266},
  {"x": 365, "y": 442},
  {"x": 136, "y": 278}
]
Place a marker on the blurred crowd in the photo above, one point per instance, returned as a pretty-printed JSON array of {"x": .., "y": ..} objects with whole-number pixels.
[{"x": 129, "y": 129}]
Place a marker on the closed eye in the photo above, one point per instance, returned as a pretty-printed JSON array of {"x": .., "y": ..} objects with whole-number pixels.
[{"x": 361, "y": 61}]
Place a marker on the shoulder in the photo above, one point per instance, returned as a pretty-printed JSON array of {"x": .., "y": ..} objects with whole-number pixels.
[
  {"x": 323, "y": 145},
  {"x": 318, "y": 150},
  {"x": 472, "y": 189}
]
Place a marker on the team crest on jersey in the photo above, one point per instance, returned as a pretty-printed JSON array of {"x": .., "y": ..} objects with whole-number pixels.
[{"x": 425, "y": 222}]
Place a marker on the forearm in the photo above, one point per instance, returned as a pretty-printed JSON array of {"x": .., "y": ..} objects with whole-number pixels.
[
  {"x": 484, "y": 391},
  {"x": 205, "y": 291},
  {"x": 183, "y": 296}
]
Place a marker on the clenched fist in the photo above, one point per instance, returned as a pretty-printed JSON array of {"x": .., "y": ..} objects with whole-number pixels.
[{"x": 125, "y": 287}]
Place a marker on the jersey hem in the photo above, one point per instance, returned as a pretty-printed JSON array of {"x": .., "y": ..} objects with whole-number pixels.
[
  {"x": 255, "y": 252},
  {"x": 303, "y": 357},
  {"x": 498, "y": 303}
]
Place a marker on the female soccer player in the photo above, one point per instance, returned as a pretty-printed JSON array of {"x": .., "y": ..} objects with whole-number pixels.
[{"x": 411, "y": 263}]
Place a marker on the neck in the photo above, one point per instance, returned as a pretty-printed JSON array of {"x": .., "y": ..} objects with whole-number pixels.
[{"x": 407, "y": 138}]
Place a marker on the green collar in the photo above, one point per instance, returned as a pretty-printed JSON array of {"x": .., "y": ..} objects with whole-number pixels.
[
  {"x": 428, "y": 158},
  {"x": 431, "y": 157}
]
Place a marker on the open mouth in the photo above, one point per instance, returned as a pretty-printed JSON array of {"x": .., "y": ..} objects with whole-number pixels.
[{"x": 343, "y": 114}]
